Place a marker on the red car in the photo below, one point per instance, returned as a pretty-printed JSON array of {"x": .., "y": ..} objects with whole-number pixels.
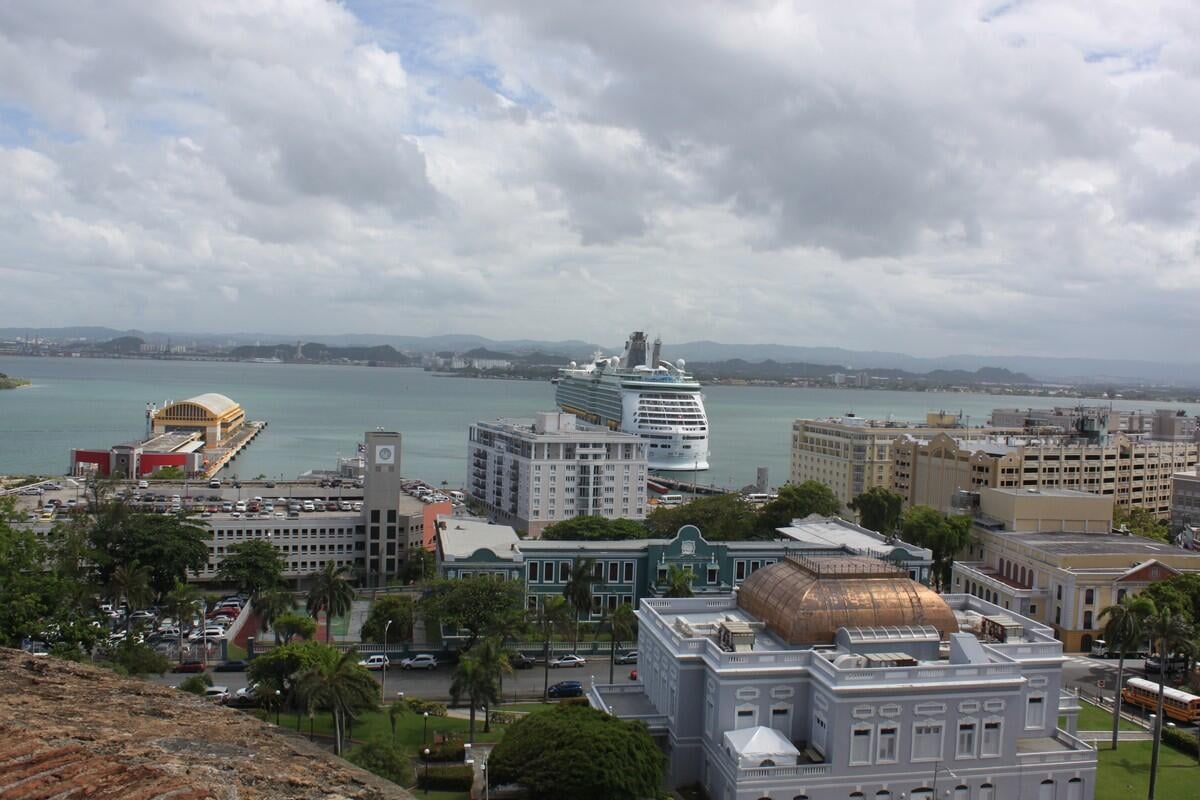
[
  {"x": 189, "y": 666},
  {"x": 633, "y": 674}
]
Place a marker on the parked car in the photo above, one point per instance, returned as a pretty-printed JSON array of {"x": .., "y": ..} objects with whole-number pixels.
[
  {"x": 627, "y": 658},
  {"x": 566, "y": 689},
  {"x": 189, "y": 666},
  {"x": 218, "y": 693},
  {"x": 247, "y": 691},
  {"x": 308, "y": 505},
  {"x": 420, "y": 661},
  {"x": 569, "y": 660},
  {"x": 143, "y": 484},
  {"x": 521, "y": 661},
  {"x": 269, "y": 484},
  {"x": 237, "y": 665},
  {"x": 375, "y": 662},
  {"x": 633, "y": 674}
]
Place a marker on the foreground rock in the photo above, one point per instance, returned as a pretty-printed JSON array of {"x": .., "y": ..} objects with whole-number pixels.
[{"x": 74, "y": 731}]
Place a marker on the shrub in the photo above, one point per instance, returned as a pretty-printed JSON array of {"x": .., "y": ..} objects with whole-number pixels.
[
  {"x": 574, "y": 701},
  {"x": 196, "y": 684},
  {"x": 420, "y": 706},
  {"x": 449, "y": 750},
  {"x": 447, "y": 777},
  {"x": 504, "y": 717},
  {"x": 138, "y": 659},
  {"x": 385, "y": 760},
  {"x": 1183, "y": 742}
]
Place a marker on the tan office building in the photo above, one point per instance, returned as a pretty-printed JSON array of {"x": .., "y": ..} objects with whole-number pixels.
[
  {"x": 850, "y": 454},
  {"x": 1050, "y": 555},
  {"x": 1134, "y": 472}
]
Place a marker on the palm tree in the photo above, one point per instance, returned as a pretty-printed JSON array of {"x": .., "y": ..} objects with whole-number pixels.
[
  {"x": 270, "y": 605},
  {"x": 179, "y": 603},
  {"x": 1170, "y": 633},
  {"x": 1124, "y": 629},
  {"x": 337, "y": 683},
  {"x": 578, "y": 591},
  {"x": 621, "y": 625},
  {"x": 131, "y": 583},
  {"x": 679, "y": 582},
  {"x": 476, "y": 677},
  {"x": 396, "y": 711},
  {"x": 553, "y": 616},
  {"x": 331, "y": 592},
  {"x": 493, "y": 659}
]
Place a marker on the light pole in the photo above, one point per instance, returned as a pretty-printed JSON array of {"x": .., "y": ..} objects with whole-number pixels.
[
  {"x": 425, "y": 730},
  {"x": 483, "y": 767},
  {"x": 278, "y": 703},
  {"x": 383, "y": 685},
  {"x": 426, "y": 765}
]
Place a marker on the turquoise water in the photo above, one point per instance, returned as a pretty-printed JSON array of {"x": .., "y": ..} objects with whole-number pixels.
[{"x": 315, "y": 412}]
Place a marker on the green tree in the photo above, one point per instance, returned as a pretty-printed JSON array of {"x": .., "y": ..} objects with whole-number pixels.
[
  {"x": 278, "y": 668},
  {"x": 553, "y": 615},
  {"x": 622, "y": 625},
  {"x": 1124, "y": 629},
  {"x": 196, "y": 684},
  {"x": 878, "y": 509},
  {"x": 131, "y": 583},
  {"x": 1171, "y": 634},
  {"x": 180, "y": 604},
  {"x": 291, "y": 625},
  {"x": 796, "y": 502},
  {"x": 385, "y": 760},
  {"x": 419, "y": 566},
  {"x": 479, "y": 607},
  {"x": 270, "y": 605},
  {"x": 332, "y": 593},
  {"x": 337, "y": 684},
  {"x": 394, "y": 608},
  {"x": 679, "y": 582},
  {"x": 253, "y": 566},
  {"x": 578, "y": 590},
  {"x": 171, "y": 545},
  {"x": 132, "y": 658},
  {"x": 1181, "y": 593},
  {"x": 578, "y": 752},
  {"x": 168, "y": 474},
  {"x": 944, "y": 535},
  {"x": 477, "y": 677},
  {"x": 592, "y": 528},
  {"x": 397, "y": 711},
  {"x": 1141, "y": 522},
  {"x": 722, "y": 517}
]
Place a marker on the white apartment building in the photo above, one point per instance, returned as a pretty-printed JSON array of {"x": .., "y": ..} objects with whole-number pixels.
[{"x": 531, "y": 473}]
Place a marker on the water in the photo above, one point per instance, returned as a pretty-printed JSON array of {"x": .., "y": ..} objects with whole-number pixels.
[{"x": 316, "y": 411}]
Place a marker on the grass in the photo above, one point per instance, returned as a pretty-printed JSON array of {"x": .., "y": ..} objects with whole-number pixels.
[
  {"x": 1094, "y": 718},
  {"x": 235, "y": 651},
  {"x": 409, "y": 728},
  {"x": 1125, "y": 772},
  {"x": 527, "y": 707}
]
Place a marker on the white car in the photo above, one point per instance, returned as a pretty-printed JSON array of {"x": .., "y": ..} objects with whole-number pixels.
[
  {"x": 239, "y": 506},
  {"x": 247, "y": 691},
  {"x": 218, "y": 693},
  {"x": 422, "y": 661},
  {"x": 308, "y": 505},
  {"x": 375, "y": 662},
  {"x": 143, "y": 484},
  {"x": 569, "y": 660}
]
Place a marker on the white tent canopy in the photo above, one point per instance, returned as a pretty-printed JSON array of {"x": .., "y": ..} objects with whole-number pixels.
[{"x": 752, "y": 746}]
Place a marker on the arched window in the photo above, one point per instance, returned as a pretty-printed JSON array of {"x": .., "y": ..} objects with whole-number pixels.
[
  {"x": 1075, "y": 789},
  {"x": 1087, "y": 620},
  {"x": 1085, "y": 643},
  {"x": 1023, "y": 576},
  {"x": 961, "y": 792},
  {"x": 921, "y": 794},
  {"x": 766, "y": 762},
  {"x": 883, "y": 794},
  {"x": 1046, "y": 790},
  {"x": 987, "y": 792},
  {"x": 1089, "y": 597}
]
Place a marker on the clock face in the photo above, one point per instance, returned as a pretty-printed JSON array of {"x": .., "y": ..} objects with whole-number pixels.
[{"x": 385, "y": 454}]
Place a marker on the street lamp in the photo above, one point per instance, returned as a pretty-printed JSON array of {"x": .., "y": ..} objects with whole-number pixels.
[
  {"x": 425, "y": 730},
  {"x": 383, "y": 686},
  {"x": 427, "y": 767},
  {"x": 483, "y": 767},
  {"x": 278, "y": 703}
]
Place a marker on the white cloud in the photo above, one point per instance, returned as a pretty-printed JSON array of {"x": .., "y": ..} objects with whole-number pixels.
[{"x": 941, "y": 178}]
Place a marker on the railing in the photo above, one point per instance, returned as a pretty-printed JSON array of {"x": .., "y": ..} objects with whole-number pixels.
[{"x": 783, "y": 771}]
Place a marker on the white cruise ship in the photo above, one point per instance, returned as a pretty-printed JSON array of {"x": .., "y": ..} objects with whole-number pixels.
[{"x": 639, "y": 393}]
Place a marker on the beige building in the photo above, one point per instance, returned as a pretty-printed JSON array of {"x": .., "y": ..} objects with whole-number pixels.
[
  {"x": 1050, "y": 555},
  {"x": 1134, "y": 472},
  {"x": 850, "y": 454}
]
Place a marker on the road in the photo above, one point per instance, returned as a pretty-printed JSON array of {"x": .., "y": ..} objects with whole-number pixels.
[{"x": 523, "y": 684}]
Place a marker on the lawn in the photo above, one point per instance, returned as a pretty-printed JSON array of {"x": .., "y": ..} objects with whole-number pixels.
[
  {"x": 527, "y": 707},
  {"x": 1095, "y": 718},
  {"x": 410, "y": 729},
  {"x": 1125, "y": 773}
]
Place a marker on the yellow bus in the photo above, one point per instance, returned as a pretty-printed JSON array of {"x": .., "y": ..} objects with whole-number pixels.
[{"x": 1177, "y": 705}]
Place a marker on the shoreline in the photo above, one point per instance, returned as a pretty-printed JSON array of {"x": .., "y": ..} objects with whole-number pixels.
[{"x": 14, "y": 383}]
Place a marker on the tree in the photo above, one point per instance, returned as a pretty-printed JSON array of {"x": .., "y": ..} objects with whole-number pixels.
[
  {"x": 480, "y": 607},
  {"x": 385, "y": 760},
  {"x": 722, "y": 517},
  {"x": 622, "y": 625},
  {"x": 278, "y": 668},
  {"x": 171, "y": 545},
  {"x": 196, "y": 684},
  {"x": 332, "y": 593},
  {"x": 420, "y": 565},
  {"x": 1124, "y": 629},
  {"x": 394, "y": 608},
  {"x": 796, "y": 502},
  {"x": 337, "y": 684},
  {"x": 180, "y": 604},
  {"x": 1181, "y": 593},
  {"x": 134, "y": 658},
  {"x": 270, "y": 605},
  {"x": 553, "y": 616},
  {"x": 253, "y": 566},
  {"x": 590, "y": 528},
  {"x": 1170, "y": 633},
  {"x": 679, "y": 582},
  {"x": 578, "y": 589},
  {"x": 289, "y": 626},
  {"x": 131, "y": 583},
  {"x": 169, "y": 473},
  {"x": 477, "y": 677},
  {"x": 396, "y": 711},
  {"x": 578, "y": 752},
  {"x": 1141, "y": 522},
  {"x": 878, "y": 509},
  {"x": 944, "y": 535}
]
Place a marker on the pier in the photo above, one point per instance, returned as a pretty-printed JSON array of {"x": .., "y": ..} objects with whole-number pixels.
[
  {"x": 662, "y": 485},
  {"x": 219, "y": 457}
]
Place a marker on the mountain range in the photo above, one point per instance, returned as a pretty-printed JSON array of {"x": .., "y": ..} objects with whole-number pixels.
[{"x": 1074, "y": 370}]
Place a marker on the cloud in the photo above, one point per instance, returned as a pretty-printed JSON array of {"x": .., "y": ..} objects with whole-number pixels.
[{"x": 937, "y": 178}]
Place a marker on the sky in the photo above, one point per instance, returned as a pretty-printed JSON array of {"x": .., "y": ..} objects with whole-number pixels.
[{"x": 924, "y": 177}]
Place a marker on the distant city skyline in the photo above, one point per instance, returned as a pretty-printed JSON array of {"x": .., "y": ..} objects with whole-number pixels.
[{"x": 987, "y": 178}]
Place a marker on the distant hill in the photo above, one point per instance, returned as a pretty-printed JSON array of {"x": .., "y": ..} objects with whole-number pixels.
[{"x": 738, "y": 368}]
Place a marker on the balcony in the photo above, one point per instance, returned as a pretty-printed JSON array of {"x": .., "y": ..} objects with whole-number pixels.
[{"x": 1057, "y": 749}]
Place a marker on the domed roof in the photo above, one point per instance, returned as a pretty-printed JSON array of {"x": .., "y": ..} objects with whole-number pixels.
[{"x": 806, "y": 600}]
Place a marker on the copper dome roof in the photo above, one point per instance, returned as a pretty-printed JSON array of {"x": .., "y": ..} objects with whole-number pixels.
[{"x": 805, "y": 600}]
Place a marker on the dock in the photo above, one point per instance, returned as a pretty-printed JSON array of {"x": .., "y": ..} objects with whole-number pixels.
[
  {"x": 662, "y": 484},
  {"x": 220, "y": 457}
]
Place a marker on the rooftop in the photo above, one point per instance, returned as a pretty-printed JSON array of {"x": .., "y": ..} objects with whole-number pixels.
[
  {"x": 835, "y": 533},
  {"x": 73, "y": 730},
  {"x": 1095, "y": 544},
  {"x": 460, "y": 538}
]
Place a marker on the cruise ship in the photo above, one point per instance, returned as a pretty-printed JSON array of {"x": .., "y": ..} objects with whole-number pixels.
[{"x": 642, "y": 394}]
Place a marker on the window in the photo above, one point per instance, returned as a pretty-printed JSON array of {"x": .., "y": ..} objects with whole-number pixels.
[
  {"x": 564, "y": 571},
  {"x": 861, "y": 745},
  {"x": 781, "y": 719},
  {"x": 927, "y": 741},
  {"x": 966, "y": 740},
  {"x": 990, "y": 746},
  {"x": 886, "y": 749},
  {"x": 1057, "y": 615},
  {"x": 746, "y": 717},
  {"x": 614, "y": 571},
  {"x": 713, "y": 574},
  {"x": 627, "y": 568},
  {"x": 739, "y": 571},
  {"x": 1058, "y": 593},
  {"x": 1075, "y": 789},
  {"x": 961, "y": 792},
  {"x": 1046, "y": 790},
  {"x": 1087, "y": 620},
  {"x": 531, "y": 602},
  {"x": 987, "y": 792},
  {"x": 1089, "y": 597},
  {"x": 662, "y": 572},
  {"x": 1035, "y": 712},
  {"x": 533, "y": 570}
]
